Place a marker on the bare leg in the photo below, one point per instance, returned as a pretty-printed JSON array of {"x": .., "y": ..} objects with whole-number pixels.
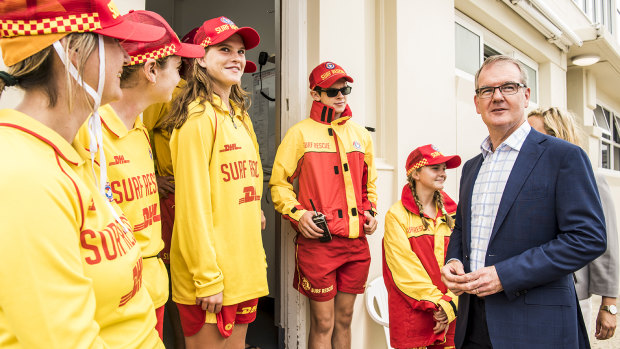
[
  {"x": 208, "y": 337},
  {"x": 321, "y": 324},
  {"x": 237, "y": 338},
  {"x": 341, "y": 339}
]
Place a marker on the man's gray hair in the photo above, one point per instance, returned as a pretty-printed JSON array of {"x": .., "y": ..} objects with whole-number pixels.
[{"x": 503, "y": 58}]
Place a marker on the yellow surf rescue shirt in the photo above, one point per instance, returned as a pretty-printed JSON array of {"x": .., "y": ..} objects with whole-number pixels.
[
  {"x": 216, "y": 242},
  {"x": 131, "y": 174},
  {"x": 71, "y": 276}
]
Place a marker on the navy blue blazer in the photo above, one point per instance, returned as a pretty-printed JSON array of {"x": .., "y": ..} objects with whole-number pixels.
[{"x": 549, "y": 224}]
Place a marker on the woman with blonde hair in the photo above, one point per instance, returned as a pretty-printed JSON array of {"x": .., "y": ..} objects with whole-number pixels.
[
  {"x": 417, "y": 232},
  {"x": 600, "y": 277},
  {"x": 71, "y": 270},
  {"x": 217, "y": 259}
]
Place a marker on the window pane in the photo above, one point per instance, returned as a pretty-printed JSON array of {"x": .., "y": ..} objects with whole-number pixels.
[
  {"x": 600, "y": 120},
  {"x": 605, "y": 163},
  {"x": 531, "y": 83},
  {"x": 467, "y": 49},
  {"x": 488, "y": 52},
  {"x": 616, "y": 129},
  {"x": 616, "y": 158}
]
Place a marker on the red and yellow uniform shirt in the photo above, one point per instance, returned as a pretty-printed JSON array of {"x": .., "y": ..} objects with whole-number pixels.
[
  {"x": 217, "y": 244},
  {"x": 334, "y": 162},
  {"x": 412, "y": 259},
  {"x": 134, "y": 188},
  {"x": 71, "y": 275}
]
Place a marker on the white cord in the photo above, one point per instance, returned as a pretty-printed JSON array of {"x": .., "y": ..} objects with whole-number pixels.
[{"x": 94, "y": 124}]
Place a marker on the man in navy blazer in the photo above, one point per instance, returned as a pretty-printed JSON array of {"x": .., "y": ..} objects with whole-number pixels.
[{"x": 529, "y": 215}]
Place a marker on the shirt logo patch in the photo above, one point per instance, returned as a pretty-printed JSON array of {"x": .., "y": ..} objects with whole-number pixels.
[
  {"x": 119, "y": 160},
  {"x": 250, "y": 195},
  {"x": 230, "y": 147},
  {"x": 92, "y": 206},
  {"x": 357, "y": 145},
  {"x": 108, "y": 192}
]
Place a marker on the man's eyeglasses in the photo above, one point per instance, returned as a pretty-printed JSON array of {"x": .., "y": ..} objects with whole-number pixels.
[
  {"x": 333, "y": 92},
  {"x": 509, "y": 88}
]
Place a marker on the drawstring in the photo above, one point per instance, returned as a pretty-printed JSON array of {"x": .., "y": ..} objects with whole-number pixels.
[{"x": 94, "y": 123}]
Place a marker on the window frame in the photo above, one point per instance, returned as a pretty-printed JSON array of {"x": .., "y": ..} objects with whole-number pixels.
[
  {"x": 612, "y": 119},
  {"x": 488, "y": 38}
]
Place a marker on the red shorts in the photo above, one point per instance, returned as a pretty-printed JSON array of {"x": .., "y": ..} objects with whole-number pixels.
[
  {"x": 325, "y": 268},
  {"x": 167, "y": 222},
  {"x": 159, "y": 313},
  {"x": 193, "y": 317}
]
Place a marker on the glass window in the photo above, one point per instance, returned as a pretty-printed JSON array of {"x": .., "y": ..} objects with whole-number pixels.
[
  {"x": 531, "y": 83},
  {"x": 488, "y": 52},
  {"x": 617, "y": 158},
  {"x": 600, "y": 119},
  {"x": 616, "y": 129},
  {"x": 605, "y": 161},
  {"x": 467, "y": 49}
]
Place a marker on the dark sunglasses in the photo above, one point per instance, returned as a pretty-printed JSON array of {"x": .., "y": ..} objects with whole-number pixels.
[{"x": 333, "y": 92}]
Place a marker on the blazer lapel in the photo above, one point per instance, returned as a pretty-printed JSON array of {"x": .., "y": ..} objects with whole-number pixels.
[
  {"x": 526, "y": 160},
  {"x": 468, "y": 188}
]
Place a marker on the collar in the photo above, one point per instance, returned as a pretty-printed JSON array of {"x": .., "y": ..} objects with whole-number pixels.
[
  {"x": 323, "y": 114},
  {"x": 217, "y": 101},
  {"x": 113, "y": 122},
  {"x": 514, "y": 141},
  {"x": 20, "y": 121},
  {"x": 409, "y": 202}
]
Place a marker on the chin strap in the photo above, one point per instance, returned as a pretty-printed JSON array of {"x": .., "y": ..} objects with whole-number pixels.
[{"x": 94, "y": 124}]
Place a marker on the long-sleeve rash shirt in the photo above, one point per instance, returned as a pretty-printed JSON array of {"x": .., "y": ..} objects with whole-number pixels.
[
  {"x": 71, "y": 275},
  {"x": 216, "y": 243},
  {"x": 132, "y": 179}
]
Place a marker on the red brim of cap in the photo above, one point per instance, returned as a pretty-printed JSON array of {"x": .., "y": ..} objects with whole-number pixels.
[
  {"x": 250, "y": 37},
  {"x": 132, "y": 31},
  {"x": 452, "y": 161},
  {"x": 190, "y": 51},
  {"x": 250, "y": 67},
  {"x": 332, "y": 80}
]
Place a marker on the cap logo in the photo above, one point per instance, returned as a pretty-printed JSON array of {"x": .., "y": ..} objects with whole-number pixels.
[
  {"x": 225, "y": 27},
  {"x": 330, "y": 65},
  {"x": 115, "y": 12},
  {"x": 435, "y": 154},
  {"x": 434, "y": 147},
  {"x": 227, "y": 21}
]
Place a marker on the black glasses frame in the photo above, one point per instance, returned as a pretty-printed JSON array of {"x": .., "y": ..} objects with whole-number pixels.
[
  {"x": 505, "y": 89},
  {"x": 333, "y": 92}
]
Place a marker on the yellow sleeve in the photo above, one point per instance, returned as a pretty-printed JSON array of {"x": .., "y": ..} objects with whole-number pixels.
[
  {"x": 371, "y": 186},
  {"x": 152, "y": 114},
  {"x": 288, "y": 158},
  {"x": 191, "y": 147},
  {"x": 46, "y": 301},
  {"x": 407, "y": 270}
]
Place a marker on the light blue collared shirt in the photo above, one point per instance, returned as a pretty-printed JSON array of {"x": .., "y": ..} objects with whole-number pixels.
[{"x": 489, "y": 188}]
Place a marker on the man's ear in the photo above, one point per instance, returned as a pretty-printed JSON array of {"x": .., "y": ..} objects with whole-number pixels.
[
  {"x": 315, "y": 95},
  {"x": 150, "y": 70}
]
